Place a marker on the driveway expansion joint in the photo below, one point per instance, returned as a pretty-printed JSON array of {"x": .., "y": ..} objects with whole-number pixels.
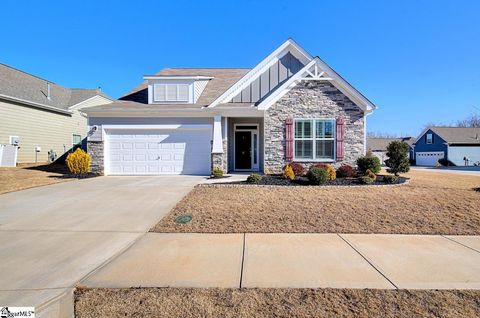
[{"x": 464, "y": 245}]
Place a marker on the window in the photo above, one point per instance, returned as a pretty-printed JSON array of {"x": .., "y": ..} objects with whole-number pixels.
[
  {"x": 171, "y": 92},
  {"x": 76, "y": 140},
  {"x": 429, "y": 138},
  {"x": 315, "y": 139}
]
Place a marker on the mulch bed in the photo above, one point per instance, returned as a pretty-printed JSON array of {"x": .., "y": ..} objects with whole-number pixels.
[
  {"x": 278, "y": 180},
  {"x": 213, "y": 302}
]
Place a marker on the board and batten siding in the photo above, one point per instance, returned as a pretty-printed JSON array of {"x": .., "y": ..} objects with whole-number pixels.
[{"x": 37, "y": 127}]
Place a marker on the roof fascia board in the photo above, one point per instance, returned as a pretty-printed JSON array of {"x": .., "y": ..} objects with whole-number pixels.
[
  {"x": 160, "y": 77},
  {"x": 37, "y": 105},
  {"x": 271, "y": 59},
  {"x": 79, "y": 105}
]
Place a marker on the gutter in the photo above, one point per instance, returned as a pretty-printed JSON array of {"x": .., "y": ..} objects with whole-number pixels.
[{"x": 37, "y": 105}]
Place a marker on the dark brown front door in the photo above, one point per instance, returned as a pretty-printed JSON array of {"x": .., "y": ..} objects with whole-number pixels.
[{"x": 243, "y": 150}]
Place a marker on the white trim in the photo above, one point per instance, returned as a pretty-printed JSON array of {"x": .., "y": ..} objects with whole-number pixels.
[
  {"x": 38, "y": 105},
  {"x": 314, "y": 139},
  {"x": 253, "y": 166},
  {"x": 217, "y": 144},
  {"x": 160, "y": 77},
  {"x": 332, "y": 77},
  {"x": 78, "y": 105},
  {"x": 80, "y": 143},
  {"x": 261, "y": 67}
]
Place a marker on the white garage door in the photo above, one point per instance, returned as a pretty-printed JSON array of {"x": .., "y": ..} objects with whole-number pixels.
[
  {"x": 158, "y": 151},
  {"x": 428, "y": 159}
]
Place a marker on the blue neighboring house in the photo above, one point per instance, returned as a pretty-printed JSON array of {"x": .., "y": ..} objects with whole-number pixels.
[{"x": 456, "y": 146}]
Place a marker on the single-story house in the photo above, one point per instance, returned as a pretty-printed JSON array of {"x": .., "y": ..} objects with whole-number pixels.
[
  {"x": 290, "y": 107},
  {"x": 378, "y": 146},
  {"x": 456, "y": 145},
  {"x": 41, "y": 118}
]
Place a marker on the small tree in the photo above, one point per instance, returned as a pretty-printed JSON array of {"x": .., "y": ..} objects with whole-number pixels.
[{"x": 397, "y": 153}]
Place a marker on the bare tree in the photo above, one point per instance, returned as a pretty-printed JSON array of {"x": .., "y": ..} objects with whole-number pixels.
[
  {"x": 379, "y": 134},
  {"x": 471, "y": 121}
]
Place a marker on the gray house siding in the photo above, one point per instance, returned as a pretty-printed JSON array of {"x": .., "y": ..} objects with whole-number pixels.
[{"x": 312, "y": 100}]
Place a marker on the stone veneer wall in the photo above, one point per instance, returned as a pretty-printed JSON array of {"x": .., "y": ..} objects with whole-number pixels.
[
  {"x": 312, "y": 99},
  {"x": 95, "y": 150},
  {"x": 220, "y": 159}
]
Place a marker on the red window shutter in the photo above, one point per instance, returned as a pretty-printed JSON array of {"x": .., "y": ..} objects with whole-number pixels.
[
  {"x": 289, "y": 139},
  {"x": 340, "y": 137}
]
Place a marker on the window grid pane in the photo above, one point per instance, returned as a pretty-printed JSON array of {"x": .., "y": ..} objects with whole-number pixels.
[{"x": 315, "y": 139}]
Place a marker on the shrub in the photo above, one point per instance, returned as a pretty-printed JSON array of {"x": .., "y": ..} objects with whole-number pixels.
[
  {"x": 288, "y": 172},
  {"x": 366, "y": 180},
  {"x": 254, "y": 177},
  {"x": 389, "y": 179},
  {"x": 217, "y": 172},
  {"x": 397, "y": 153},
  {"x": 346, "y": 171},
  {"x": 317, "y": 175},
  {"x": 78, "y": 162},
  {"x": 368, "y": 162},
  {"x": 332, "y": 174},
  {"x": 298, "y": 169},
  {"x": 369, "y": 173}
]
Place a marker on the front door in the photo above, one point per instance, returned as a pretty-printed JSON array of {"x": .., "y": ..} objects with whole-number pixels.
[{"x": 243, "y": 150}]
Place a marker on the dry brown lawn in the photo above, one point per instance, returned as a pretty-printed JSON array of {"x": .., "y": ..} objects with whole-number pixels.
[
  {"x": 176, "y": 302},
  {"x": 432, "y": 203},
  {"x": 28, "y": 176}
]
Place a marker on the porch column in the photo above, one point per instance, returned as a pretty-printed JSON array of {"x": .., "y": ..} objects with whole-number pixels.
[{"x": 217, "y": 135}]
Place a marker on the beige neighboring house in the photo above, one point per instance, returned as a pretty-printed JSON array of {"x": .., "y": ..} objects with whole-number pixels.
[
  {"x": 41, "y": 116},
  {"x": 378, "y": 146}
]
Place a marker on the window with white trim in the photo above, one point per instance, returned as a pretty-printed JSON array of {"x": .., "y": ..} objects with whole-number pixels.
[
  {"x": 429, "y": 138},
  {"x": 314, "y": 139},
  {"x": 171, "y": 92},
  {"x": 76, "y": 140}
]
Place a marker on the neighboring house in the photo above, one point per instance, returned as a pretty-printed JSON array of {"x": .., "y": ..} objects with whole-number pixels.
[
  {"x": 41, "y": 116},
  {"x": 454, "y": 144},
  {"x": 290, "y": 107},
  {"x": 378, "y": 146}
]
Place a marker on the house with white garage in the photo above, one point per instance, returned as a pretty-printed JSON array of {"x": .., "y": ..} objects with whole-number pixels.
[
  {"x": 291, "y": 106},
  {"x": 456, "y": 146},
  {"x": 39, "y": 120},
  {"x": 378, "y": 146}
]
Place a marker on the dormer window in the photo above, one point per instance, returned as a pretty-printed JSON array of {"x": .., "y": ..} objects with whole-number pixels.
[
  {"x": 171, "y": 92},
  {"x": 175, "y": 89}
]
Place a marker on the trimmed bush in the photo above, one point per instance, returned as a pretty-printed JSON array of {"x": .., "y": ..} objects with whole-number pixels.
[
  {"x": 217, "y": 172},
  {"x": 288, "y": 172},
  {"x": 397, "y": 153},
  {"x": 346, "y": 171},
  {"x": 389, "y": 179},
  {"x": 332, "y": 174},
  {"x": 368, "y": 162},
  {"x": 298, "y": 169},
  {"x": 317, "y": 176},
  {"x": 78, "y": 162},
  {"x": 366, "y": 180},
  {"x": 370, "y": 174},
  {"x": 254, "y": 177}
]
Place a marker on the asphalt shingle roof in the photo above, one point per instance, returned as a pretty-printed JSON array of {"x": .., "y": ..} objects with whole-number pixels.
[
  {"x": 21, "y": 85},
  {"x": 458, "y": 135},
  {"x": 380, "y": 144}
]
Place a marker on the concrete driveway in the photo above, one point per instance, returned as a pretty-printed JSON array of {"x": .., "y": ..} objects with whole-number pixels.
[{"x": 52, "y": 236}]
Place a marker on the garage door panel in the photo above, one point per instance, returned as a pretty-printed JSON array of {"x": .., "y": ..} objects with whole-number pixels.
[
  {"x": 158, "y": 152},
  {"x": 428, "y": 159}
]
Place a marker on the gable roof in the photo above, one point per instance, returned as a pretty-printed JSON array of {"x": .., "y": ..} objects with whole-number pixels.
[
  {"x": 23, "y": 87},
  {"x": 455, "y": 135},
  {"x": 313, "y": 66},
  {"x": 223, "y": 78},
  {"x": 380, "y": 144}
]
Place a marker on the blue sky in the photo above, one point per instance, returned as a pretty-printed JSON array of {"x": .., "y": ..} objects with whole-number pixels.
[{"x": 417, "y": 60}]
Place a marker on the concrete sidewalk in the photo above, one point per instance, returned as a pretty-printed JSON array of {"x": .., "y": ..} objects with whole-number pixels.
[{"x": 295, "y": 260}]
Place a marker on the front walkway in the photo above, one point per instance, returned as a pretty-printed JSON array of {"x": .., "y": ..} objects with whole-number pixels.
[
  {"x": 295, "y": 260},
  {"x": 52, "y": 236}
]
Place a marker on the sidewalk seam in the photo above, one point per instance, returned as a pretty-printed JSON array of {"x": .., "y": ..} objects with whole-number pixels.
[
  {"x": 243, "y": 260},
  {"x": 367, "y": 260},
  {"x": 452, "y": 240}
]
